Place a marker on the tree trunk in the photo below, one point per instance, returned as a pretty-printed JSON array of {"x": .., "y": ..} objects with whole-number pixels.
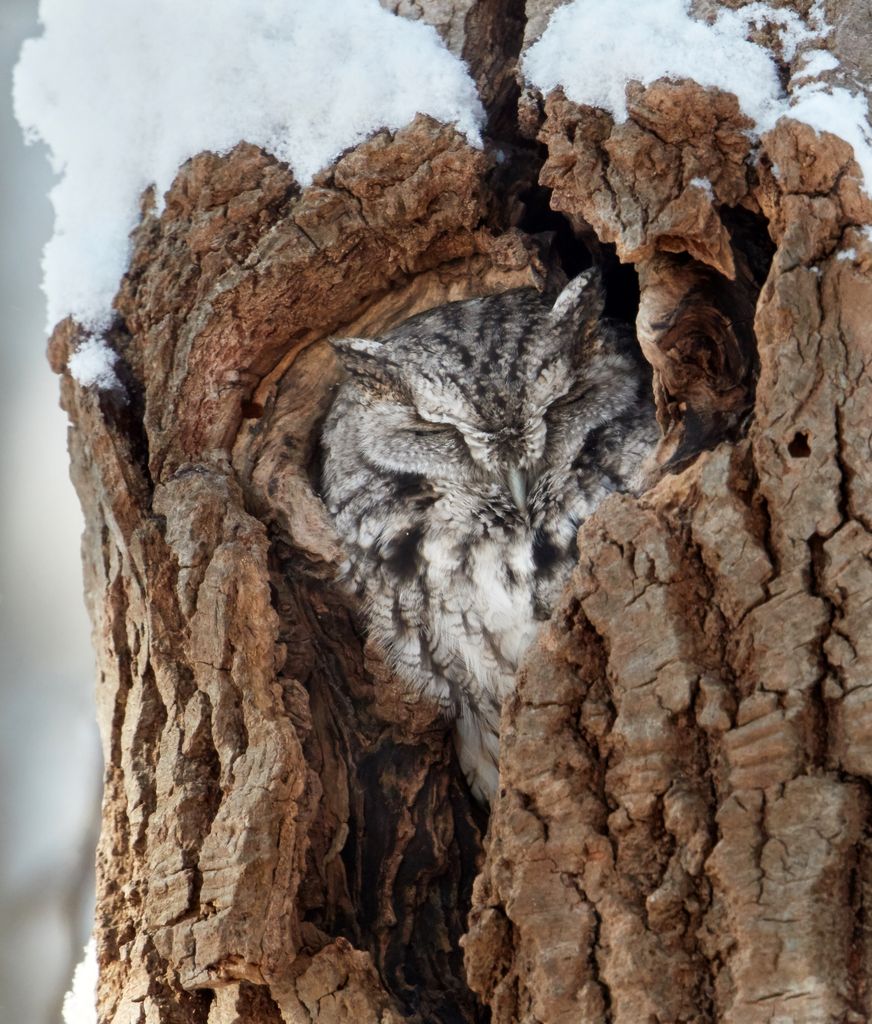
[{"x": 681, "y": 833}]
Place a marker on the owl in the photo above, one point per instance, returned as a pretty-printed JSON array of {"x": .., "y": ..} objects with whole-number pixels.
[{"x": 460, "y": 454}]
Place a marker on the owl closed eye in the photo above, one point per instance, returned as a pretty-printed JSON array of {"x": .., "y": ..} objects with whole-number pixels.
[{"x": 462, "y": 451}]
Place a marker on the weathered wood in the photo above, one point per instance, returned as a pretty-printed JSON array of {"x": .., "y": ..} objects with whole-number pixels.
[
  {"x": 281, "y": 818},
  {"x": 683, "y": 829}
]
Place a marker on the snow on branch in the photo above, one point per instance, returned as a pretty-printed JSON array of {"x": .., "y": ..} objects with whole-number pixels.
[
  {"x": 93, "y": 362},
  {"x": 80, "y": 1003},
  {"x": 124, "y": 92},
  {"x": 593, "y": 48}
]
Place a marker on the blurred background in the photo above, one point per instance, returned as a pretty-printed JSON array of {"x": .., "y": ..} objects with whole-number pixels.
[{"x": 49, "y": 752}]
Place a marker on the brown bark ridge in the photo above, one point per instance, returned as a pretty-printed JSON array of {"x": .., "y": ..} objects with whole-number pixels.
[
  {"x": 681, "y": 833},
  {"x": 281, "y": 824}
]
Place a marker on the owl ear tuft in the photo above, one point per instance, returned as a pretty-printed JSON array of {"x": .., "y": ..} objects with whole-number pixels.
[
  {"x": 361, "y": 357},
  {"x": 582, "y": 301}
]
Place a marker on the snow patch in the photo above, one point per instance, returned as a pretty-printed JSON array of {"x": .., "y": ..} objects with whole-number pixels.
[
  {"x": 80, "y": 1003},
  {"x": 704, "y": 184},
  {"x": 791, "y": 30},
  {"x": 840, "y": 112},
  {"x": 93, "y": 363},
  {"x": 847, "y": 254},
  {"x": 123, "y": 92},
  {"x": 817, "y": 16},
  {"x": 593, "y": 48},
  {"x": 816, "y": 62}
]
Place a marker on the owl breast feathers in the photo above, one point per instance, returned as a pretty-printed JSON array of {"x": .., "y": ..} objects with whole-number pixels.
[{"x": 460, "y": 455}]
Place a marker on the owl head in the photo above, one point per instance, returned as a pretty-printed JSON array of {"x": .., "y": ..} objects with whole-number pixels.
[{"x": 491, "y": 389}]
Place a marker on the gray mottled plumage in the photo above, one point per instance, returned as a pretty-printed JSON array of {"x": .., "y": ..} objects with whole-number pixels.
[{"x": 460, "y": 455}]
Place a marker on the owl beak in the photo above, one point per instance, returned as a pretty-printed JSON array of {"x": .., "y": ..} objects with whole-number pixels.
[{"x": 517, "y": 482}]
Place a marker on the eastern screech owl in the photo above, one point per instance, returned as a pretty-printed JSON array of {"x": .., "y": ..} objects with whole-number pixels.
[{"x": 460, "y": 455}]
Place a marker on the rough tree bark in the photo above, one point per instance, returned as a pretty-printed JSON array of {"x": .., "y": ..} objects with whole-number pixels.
[{"x": 682, "y": 831}]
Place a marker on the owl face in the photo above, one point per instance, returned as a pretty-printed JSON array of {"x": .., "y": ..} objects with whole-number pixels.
[{"x": 463, "y": 396}]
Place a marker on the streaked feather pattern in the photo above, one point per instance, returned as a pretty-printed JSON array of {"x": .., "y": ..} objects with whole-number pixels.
[{"x": 462, "y": 452}]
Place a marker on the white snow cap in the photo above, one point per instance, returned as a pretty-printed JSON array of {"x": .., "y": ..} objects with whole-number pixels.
[
  {"x": 93, "y": 362},
  {"x": 80, "y": 1003},
  {"x": 816, "y": 62},
  {"x": 123, "y": 92},
  {"x": 593, "y": 48}
]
